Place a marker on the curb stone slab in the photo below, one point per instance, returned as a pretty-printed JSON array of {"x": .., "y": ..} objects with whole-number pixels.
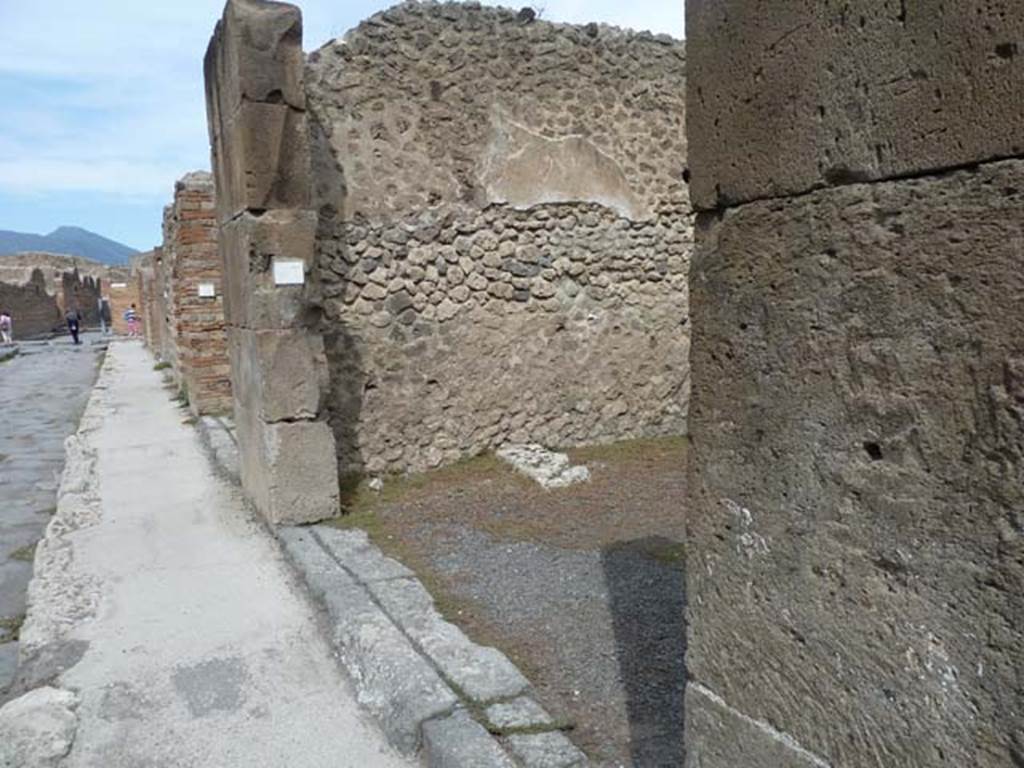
[
  {"x": 459, "y": 741},
  {"x": 545, "y": 750},
  {"x": 417, "y": 673},
  {"x": 392, "y": 680},
  {"x": 399, "y": 652},
  {"x": 519, "y": 714},
  {"x": 483, "y": 674}
]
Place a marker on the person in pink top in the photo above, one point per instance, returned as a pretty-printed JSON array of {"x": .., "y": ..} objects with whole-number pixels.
[{"x": 131, "y": 316}]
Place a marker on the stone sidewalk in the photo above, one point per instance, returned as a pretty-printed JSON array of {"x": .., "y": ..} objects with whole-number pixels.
[
  {"x": 43, "y": 391},
  {"x": 164, "y": 627}
]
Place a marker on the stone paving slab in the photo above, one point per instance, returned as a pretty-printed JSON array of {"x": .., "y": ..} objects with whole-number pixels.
[
  {"x": 195, "y": 647},
  {"x": 44, "y": 391}
]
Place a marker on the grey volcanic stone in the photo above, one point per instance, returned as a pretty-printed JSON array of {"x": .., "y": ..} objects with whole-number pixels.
[
  {"x": 483, "y": 674},
  {"x": 37, "y": 729},
  {"x": 354, "y": 550},
  {"x": 394, "y": 681},
  {"x": 459, "y": 741},
  {"x": 857, "y": 469},
  {"x": 523, "y": 712},
  {"x": 545, "y": 750},
  {"x": 720, "y": 736},
  {"x": 871, "y": 90}
]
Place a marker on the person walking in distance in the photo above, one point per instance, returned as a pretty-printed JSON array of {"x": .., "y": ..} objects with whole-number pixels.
[
  {"x": 131, "y": 317},
  {"x": 74, "y": 321},
  {"x": 105, "y": 315},
  {"x": 6, "y": 326}
]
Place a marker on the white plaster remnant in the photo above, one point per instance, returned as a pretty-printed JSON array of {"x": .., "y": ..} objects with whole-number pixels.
[
  {"x": 524, "y": 169},
  {"x": 550, "y": 469},
  {"x": 748, "y": 541},
  {"x": 766, "y": 728}
]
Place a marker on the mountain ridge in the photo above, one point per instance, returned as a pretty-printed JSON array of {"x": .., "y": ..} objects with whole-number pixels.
[{"x": 68, "y": 240}]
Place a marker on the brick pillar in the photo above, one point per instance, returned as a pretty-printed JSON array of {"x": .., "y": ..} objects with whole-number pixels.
[
  {"x": 258, "y": 131},
  {"x": 198, "y": 297},
  {"x": 855, "y": 562}
]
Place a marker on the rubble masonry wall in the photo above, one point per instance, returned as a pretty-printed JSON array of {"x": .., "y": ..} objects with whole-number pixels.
[{"x": 504, "y": 234}]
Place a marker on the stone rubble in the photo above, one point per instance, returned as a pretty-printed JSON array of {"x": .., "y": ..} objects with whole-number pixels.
[{"x": 550, "y": 469}]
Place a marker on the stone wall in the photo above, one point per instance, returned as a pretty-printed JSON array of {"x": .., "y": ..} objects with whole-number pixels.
[
  {"x": 122, "y": 291},
  {"x": 33, "y": 310},
  {"x": 81, "y": 293},
  {"x": 856, "y": 551},
  {"x": 503, "y": 235},
  {"x": 40, "y": 287}
]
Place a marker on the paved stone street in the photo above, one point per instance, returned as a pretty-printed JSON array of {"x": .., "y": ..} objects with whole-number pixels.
[
  {"x": 42, "y": 393},
  {"x": 183, "y": 637}
]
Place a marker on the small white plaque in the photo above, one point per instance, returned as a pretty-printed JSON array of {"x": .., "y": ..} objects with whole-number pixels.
[
  {"x": 207, "y": 290},
  {"x": 289, "y": 272},
  {"x": 119, "y": 285}
]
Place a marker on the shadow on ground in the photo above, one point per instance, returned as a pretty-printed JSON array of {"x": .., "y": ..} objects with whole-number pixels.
[{"x": 647, "y": 599}]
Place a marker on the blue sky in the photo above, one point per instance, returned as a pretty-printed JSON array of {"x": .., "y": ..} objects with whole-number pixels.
[{"x": 103, "y": 100}]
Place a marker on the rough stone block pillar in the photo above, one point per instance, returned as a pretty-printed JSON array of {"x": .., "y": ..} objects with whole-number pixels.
[
  {"x": 260, "y": 145},
  {"x": 856, "y": 527}
]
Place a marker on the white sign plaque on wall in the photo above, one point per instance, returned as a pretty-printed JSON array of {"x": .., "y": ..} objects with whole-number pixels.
[
  {"x": 207, "y": 290},
  {"x": 119, "y": 285},
  {"x": 289, "y": 272}
]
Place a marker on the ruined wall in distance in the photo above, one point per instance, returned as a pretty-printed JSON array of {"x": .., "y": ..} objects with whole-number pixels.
[
  {"x": 855, "y": 552},
  {"x": 122, "y": 291},
  {"x": 34, "y": 311},
  {"x": 39, "y": 285},
  {"x": 504, "y": 234}
]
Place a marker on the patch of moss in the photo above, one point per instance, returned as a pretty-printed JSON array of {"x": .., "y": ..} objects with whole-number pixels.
[
  {"x": 631, "y": 450},
  {"x": 162, "y": 366},
  {"x": 25, "y": 554},
  {"x": 10, "y": 628}
]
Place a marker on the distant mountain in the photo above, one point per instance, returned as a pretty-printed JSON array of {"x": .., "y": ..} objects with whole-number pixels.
[{"x": 74, "y": 241}]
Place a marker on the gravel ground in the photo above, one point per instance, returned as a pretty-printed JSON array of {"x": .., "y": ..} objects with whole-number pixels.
[{"x": 582, "y": 587}]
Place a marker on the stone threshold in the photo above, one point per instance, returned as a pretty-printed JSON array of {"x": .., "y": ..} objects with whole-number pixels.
[{"x": 435, "y": 692}]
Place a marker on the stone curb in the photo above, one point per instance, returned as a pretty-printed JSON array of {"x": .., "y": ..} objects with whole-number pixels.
[
  {"x": 217, "y": 436},
  {"x": 434, "y": 691},
  {"x": 432, "y": 688},
  {"x": 38, "y": 723}
]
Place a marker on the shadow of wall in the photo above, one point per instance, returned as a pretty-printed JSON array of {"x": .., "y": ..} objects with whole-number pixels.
[
  {"x": 331, "y": 267},
  {"x": 646, "y": 581}
]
